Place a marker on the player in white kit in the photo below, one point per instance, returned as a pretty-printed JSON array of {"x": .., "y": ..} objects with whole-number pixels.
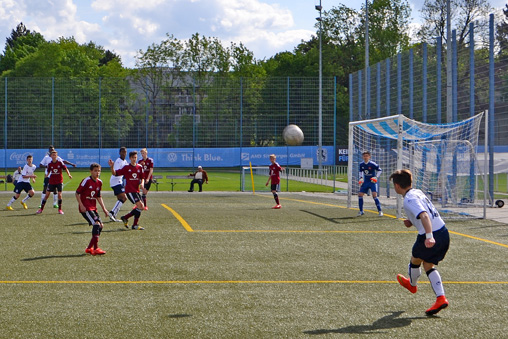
[{"x": 432, "y": 241}]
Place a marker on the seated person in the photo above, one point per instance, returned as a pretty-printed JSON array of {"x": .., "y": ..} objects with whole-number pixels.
[{"x": 199, "y": 176}]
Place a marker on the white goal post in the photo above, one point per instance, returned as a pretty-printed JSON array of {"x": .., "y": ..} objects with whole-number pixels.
[{"x": 442, "y": 158}]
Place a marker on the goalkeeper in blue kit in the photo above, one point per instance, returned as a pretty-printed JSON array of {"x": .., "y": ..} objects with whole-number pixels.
[{"x": 368, "y": 177}]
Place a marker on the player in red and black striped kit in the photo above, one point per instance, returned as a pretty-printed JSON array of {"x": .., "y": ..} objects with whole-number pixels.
[
  {"x": 87, "y": 194},
  {"x": 134, "y": 179},
  {"x": 147, "y": 164}
]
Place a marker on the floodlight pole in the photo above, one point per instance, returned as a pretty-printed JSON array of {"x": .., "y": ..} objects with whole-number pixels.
[{"x": 320, "y": 109}]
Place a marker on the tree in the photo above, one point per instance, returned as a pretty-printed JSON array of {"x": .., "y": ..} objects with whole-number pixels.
[
  {"x": 502, "y": 33},
  {"x": 462, "y": 13},
  {"x": 20, "y": 44}
]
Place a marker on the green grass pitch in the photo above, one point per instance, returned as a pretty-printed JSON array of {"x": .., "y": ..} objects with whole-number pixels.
[{"x": 224, "y": 264}]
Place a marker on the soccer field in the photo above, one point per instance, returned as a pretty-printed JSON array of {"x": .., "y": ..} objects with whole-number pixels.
[{"x": 225, "y": 265}]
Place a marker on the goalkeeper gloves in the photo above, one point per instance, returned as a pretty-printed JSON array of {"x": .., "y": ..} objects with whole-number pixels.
[
  {"x": 360, "y": 182},
  {"x": 373, "y": 179}
]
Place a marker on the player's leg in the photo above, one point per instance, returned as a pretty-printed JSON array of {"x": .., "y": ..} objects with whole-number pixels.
[
  {"x": 437, "y": 286},
  {"x": 147, "y": 187},
  {"x": 376, "y": 200},
  {"x": 59, "y": 190},
  {"x": 414, "y": 273},
  {"x": 119, "y": 192},
  {"x": 55, "y": 201},
  {"x": 360, "y": 201},
  {"x": 44, "y": 189},
  {"x": 30, "y": 194},
  {"x": 200, "y": 183},
  {"x": 125, "y": 218},
  {"x": 17, "y": 192},
  {"x": 49, "y": 190},
  {"x": 137, "y": 214},
  {"x": 275, "y": 196}
]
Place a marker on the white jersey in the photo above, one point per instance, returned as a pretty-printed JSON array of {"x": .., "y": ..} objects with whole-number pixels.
[
  {"x": 46, "y": 160},
  {"x": 27, "y": 170},
  {"x": 416, "y": 202},
  {"x": 117, "y": 179}
]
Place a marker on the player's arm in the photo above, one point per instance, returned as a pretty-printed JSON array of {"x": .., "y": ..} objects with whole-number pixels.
[
  {"x": 101, "y": 203},
  {"x": 205, "y": 176},
  {"x": 360, "y": 175},
  {"x": 427, "y": 225},
  {"x": 111, "y": 164},
  {"x": 82, "y": 207},
  {"x": 68, "y": 173},
  {"x": 69, "y": 163}
]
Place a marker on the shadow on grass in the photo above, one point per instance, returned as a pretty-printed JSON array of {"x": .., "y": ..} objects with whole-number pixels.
[
  {"x": 387, "y": 322},
  {"x": 333, "y": 220},
  {"x": 103, "y": 231},
  {"x": 55, "y": 257},
  {"x": 179, "y": 315}
]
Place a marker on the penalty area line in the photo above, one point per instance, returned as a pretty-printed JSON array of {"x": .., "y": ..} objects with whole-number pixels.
[
  {"x": 267, "y": 282},
  {"x": 179, "y": 217}
]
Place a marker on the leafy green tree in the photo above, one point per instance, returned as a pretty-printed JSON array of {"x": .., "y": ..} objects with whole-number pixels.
[
  {"x": 21, "y": 43},
  {"x": 462, "y": 13}
]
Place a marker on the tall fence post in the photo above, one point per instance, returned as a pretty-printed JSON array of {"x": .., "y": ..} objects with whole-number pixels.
[
  {"x": 439, "y": 48},
  {"x": 411, "y": 83},
  {"x": 454, "y": 76},
  {"x": 491, "y": 108},
  {"x": 424, "y": 83}
]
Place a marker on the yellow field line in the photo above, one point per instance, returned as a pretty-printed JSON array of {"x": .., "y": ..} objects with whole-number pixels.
[
  {"x": 172, "y": 282},
  {"x": 480, "y": 239},
  {"x": 295, "y": 231},
  {"x": 179, "y": 217}
]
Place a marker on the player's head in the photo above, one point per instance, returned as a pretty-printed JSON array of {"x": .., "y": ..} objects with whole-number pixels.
[
  {"x": 95, "y": 170},
  {"x": 51, "y": 148},
  {"x": 54, "y": 155},
  {"x": 123, "y": 152},
  {"x": 133, "y": 156},
  {"x": 29, "y": 159},
  {"x": 366, "y": 156},
  {"x": 144, "y": 152},
  {"x": 402, "y": 180},
  {"x": 273, "y": 158},
  {"x": 200, "y": 168}
]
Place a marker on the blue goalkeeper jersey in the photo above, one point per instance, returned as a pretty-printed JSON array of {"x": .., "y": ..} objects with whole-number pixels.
[{"x": 369, "y": 170}]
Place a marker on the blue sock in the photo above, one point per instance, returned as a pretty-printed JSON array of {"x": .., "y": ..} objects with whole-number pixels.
[
  {"x": 360, "y": 203},
  {"x": 378, "y": 204}
]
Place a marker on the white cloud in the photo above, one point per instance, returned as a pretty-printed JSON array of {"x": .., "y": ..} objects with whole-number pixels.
[{"x": 125, "y": 26}]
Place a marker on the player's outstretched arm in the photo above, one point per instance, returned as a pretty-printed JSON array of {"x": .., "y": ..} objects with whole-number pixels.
[
  {"x": 111, "y": 164},
  {"x": 69, "y": 163},
  {"x": 68, "y": 173}
]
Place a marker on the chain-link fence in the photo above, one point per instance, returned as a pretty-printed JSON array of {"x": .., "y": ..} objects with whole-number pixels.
[
  {"x": 443, "y": 82},
  {"x": 113, "y": 112}
]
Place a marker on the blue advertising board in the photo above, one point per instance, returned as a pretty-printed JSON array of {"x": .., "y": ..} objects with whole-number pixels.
[{"x": 180, "y": 157}]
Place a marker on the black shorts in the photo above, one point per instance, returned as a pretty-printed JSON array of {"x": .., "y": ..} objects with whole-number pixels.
[
  {"x": 55, "y": 188},
  {"x": 46, "y": 182},
  {"x": 22, "y": 186},
  {"x": 118, "y": 189},
  {"x": 437, "y": 252},
  {"x": 275, "y": 187},
  {"x": 92, "y": 217},
  {"x": 134, "y": 197},
  {"x": 148, "y": 184}
]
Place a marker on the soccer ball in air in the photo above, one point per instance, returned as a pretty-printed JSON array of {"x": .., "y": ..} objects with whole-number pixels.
[{"x": 293, "y": 135}]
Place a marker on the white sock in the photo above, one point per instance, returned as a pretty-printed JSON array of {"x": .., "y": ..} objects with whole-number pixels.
[
  {"x": 117, "y": 207},
  {"x": 42, "y": 197},
  {"x": 12, "y": 200},
  {"x": 414, "y": 274},
  {"x": 26, "y": 198},
  {"x": 436, "y": 283},
  {"x": 55, "y": 199}
]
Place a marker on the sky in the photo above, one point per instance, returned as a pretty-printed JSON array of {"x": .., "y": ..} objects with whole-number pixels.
[{"x": 266, "y": 27}]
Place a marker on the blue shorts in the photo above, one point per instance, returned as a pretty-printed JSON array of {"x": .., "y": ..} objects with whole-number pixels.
[
  {"x": 437, "y": 252},
  {"x": 118, "y": 189},
  {"x": 22, "y": 186},
  {"x": 368, "y": 185}
]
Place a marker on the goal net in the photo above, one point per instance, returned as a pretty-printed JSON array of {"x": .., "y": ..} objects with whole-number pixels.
[{"x": 442, "y": 158}]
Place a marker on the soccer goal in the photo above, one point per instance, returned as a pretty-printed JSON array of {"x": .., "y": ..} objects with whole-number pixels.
[{"x": 442, "y": 158}]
